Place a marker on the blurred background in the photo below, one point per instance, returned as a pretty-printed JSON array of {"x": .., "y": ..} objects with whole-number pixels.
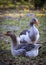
[{"x": 15, "y": 16}]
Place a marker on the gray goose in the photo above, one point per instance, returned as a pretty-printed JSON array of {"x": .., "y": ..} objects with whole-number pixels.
[
  {"x": 30, "y": 50},
  {"x": 31, "y": 35}
]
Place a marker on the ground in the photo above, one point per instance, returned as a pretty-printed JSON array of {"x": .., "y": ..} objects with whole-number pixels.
[{"x": 21, "y": 20}]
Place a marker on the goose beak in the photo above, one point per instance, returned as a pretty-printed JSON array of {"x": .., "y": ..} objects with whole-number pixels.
[
  {"x": 36, "y": 23},
  {"x": 4, "y": 33}
]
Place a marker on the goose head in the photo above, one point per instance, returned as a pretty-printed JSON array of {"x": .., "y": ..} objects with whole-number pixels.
[
  {"x": 12, "y": 36},
  {"x": 8, "y": 33},
  {"x": 34, "y": 21}
]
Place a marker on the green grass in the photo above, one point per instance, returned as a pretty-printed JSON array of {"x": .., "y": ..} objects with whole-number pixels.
[{"x": 24, "y": 21}]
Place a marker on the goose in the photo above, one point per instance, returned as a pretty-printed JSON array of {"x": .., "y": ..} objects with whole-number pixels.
[
  {"x": 14, "y": 44},
  {"x": 28, "y": 50},
  {"x": 31, "y": 35},
  {"x": 16, "y": 47}
]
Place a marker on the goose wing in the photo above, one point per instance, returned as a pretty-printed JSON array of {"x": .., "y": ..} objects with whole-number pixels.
[
  {"x": 27, "y": 47},
  {"x": 23, "y": 32}
]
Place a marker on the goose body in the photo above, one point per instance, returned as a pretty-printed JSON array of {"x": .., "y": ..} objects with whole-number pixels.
[
  {"x": 31, "y": 35},
  {"x": 21, "y": 49},
  {"x": 29, "y": 50}
]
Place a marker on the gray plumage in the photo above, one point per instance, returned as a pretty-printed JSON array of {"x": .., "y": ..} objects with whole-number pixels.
[{"x": 27, "y": 47}]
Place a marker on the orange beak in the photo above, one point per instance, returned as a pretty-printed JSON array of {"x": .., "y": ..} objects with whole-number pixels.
[
  {"x": 4, "y": 33},
  {"x": 36, "y": 23}
]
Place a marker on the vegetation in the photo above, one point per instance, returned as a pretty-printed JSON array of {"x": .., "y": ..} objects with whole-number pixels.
[
  {"x": 14, "y": 18},
  {"x": 18, "y": 13},
  {"x": 30, "y": 4},
  {"x": 38, "y": 3}
]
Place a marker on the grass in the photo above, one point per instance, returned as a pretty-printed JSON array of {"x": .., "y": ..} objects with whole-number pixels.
[{"x": 7, "y": 57}]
